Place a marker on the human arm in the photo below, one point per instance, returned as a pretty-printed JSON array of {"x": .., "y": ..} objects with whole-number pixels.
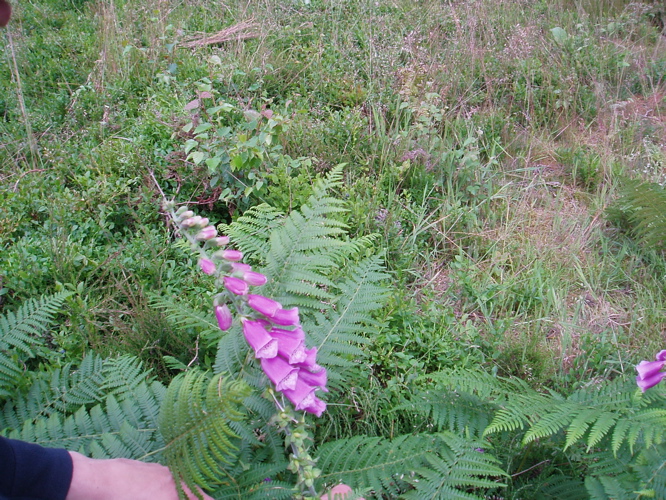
[
  {"x": 30, "y": 471},
  {"x": 122, "y": 479}
]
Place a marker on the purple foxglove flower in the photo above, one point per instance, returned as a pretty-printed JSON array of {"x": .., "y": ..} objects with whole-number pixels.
[
  {"x": 254, "y": 279},
  {"x": 318, "y": 379},
  {"x": 230, "y": 255},
  {"x": 649, "y": 372},
  {"x": 286, "y": 317},
  {"x": 280, "y": 372},
  {"x": 203, "y": 222},
  {"x": 291, "y": 344},
  {"x": 236, "y": 285},
  {"x": 263, "y": 305},
  {"x": 316, "y": 407},
  {"x": 207, "y": 266},
  {"x": 224, "y": 317},
  {"x": 240, "y": 267},
  {"x": 262, "y": 343},
  {"x": 650, "y": 381},
  {"x": 303, "y": 397},
  {"x": 206, "y": 233},
  {"x": 310, "y": 362},
  {"x": 647, "y": 369}
]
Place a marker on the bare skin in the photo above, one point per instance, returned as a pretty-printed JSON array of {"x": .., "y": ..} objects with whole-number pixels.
[
  {"x": 339, "y": 491},
  {"x": 122, "y": 479},
  {"x": 5, "y": 12}
]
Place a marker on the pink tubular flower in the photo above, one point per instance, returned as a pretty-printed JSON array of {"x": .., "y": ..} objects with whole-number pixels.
[
  {"x": 207, "y": 266},
  {"x": 286, "y": 317},
  {"x": 303, "y": 397},
  {"x": 318, "y": 379},
  {"x": 649, "y": 372},
  {"x": 267, "y": 307},
  {"x": 310, "y": 362},
  {"x": 262, "y": 343},
  {"x": 291, "y": 344},
  {"x": 224, "y": 317},
  {"x": 236, "y": 285},
  {"x": 280, "y": 372},
  {"x": 316, "y": 406}
]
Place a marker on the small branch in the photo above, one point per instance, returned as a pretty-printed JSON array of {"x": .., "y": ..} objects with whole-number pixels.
[
  {"x": 529, "y": 469},
  {"x": 24, "y": 174},
  {"x": 196, "y": 354}
]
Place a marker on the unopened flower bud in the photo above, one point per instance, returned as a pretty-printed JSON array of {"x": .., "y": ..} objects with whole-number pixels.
[
  {"x": 240, "y": 267},
  {"x": 224, "y": 317},
  {"x": 185, "y": 215},
  {"x": 191, "y": 222},
  {"x": 181, "y": 210},
  {"x": 206, "y": 233},
  {"x": 207, "y": 266},
  {"x": 254, "y": 279},
  {"x": 230, "y": 255},
  {"x": 221, "y": 241},
  {"x": 235, "y": 285}
]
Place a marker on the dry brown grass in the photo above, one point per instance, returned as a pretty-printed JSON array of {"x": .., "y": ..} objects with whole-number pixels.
[{"x": 240, "y": 31}]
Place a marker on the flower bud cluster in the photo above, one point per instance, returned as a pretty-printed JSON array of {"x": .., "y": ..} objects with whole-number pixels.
[
  {"x": 284, "y": 358},
  {"x": 301, "y": 462}
]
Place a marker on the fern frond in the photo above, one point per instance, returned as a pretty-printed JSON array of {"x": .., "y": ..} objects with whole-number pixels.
[
  {"x": 114, "y": 429},
  {"x": 123, "y": 375},
  {"x": 306, "y": 248},
  {"x": 250, "y": 232},
  {"x": 390, "y": 466},
  {"x": 20, "y": 331},
  {"x": 183, "y": 316},
  {"x": 643, "y": 206},
  {"x": 232, "y": 352},
  {"x": 61, "y": 390},
  {"x": 350, "y": 322},
  {"x": 262, "y": 480},
  {"x": 463, "y": 413},
  {"x": 460, "y": 465},
  {"x": 194, "y": 424},
  {"x": 558, "y": 486}
]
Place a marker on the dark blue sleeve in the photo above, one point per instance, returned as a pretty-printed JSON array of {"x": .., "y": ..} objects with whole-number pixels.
[{"x": 30, "y": 472}]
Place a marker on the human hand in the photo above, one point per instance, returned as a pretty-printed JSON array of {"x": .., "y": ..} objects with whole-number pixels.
[
  {"x": 339, "y": 491},
  {"x": 122, "y": 479}
]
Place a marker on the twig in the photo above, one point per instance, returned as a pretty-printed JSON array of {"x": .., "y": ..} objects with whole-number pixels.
[
  {"x": 240, "y": 31},
  {"x": 24, "y": 174}
]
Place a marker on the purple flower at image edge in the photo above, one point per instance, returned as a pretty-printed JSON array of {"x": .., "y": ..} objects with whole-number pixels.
[{"x": 649, "y": 372}]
